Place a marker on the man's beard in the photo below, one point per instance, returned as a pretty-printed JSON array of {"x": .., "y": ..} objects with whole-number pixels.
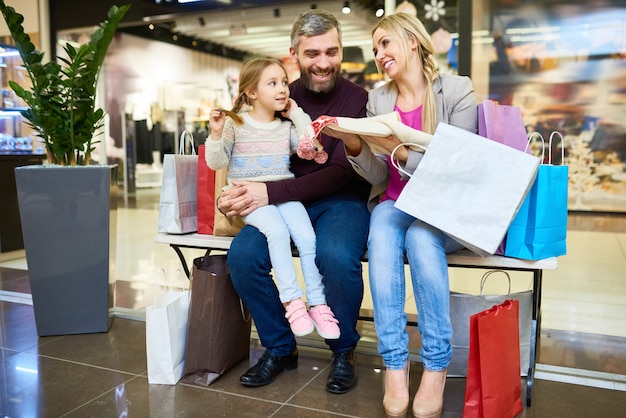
[{"x": 317, "y": 87}]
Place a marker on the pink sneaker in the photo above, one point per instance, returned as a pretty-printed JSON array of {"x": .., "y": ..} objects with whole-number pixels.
[
  {"x": 325, "y": 322},
  {"x": 299, "y": 320}
]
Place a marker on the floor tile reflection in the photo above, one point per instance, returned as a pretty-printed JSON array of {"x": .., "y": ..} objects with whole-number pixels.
[{"x": 104, "y": 375}]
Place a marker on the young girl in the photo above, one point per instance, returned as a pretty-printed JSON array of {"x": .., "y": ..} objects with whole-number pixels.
[{"x": 256, "y": 146}]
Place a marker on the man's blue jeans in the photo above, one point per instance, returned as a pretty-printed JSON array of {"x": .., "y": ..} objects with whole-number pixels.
[
  {"x": 341, "y": 228},
  {"x": 392, "y": 234}
]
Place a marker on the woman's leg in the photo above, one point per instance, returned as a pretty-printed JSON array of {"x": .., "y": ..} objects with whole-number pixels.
[
  {"x": 426, "y": 249},
  {"x": 387, "y": 282}
]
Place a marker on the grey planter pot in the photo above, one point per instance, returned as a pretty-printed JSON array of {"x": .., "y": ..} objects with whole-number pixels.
[{"x": 69, "y": 217}]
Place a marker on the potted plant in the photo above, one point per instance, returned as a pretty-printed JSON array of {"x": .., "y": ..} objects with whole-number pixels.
[{"x": 68, "y": 206}]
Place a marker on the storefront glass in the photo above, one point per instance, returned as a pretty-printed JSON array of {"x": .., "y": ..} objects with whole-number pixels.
[{"x": 564, "y": 64}]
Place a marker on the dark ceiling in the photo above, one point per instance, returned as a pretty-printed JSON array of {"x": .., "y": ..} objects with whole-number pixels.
[{"x": 204, "y": 25}]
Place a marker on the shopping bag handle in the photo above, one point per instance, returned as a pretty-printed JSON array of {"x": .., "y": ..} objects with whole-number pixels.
[
  {"x": 169, "y": 288},
  {"x": 396, "y": 163},
  {"x": 186, "y": 135},
  {"x": 543, "y": 147},
  {"x": 489, "y": 273},
  {"x": 562, "y": 147},
  {"x": 543, "y": 143},
  {"x": 163, "y": 276}
]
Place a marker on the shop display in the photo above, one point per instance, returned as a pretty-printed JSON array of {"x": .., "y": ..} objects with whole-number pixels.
[{"x": 15, "y": 136}]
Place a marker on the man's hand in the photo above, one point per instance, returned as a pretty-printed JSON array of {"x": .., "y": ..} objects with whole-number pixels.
[{"x": 243, "y": 198}]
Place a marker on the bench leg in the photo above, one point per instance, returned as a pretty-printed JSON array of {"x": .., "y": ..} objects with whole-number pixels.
[
  {"x": 182, "y": 259},
  {"x": 535, "y": 333}
]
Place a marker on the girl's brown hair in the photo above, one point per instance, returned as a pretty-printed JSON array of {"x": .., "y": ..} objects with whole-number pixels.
[
  {"x": 249, "y": 77},
  {"x": 405, "y": 27}
]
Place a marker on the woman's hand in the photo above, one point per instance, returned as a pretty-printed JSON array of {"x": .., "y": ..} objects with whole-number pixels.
[
  {"x": 351, "y": 141},
  {"x": 388, "y": 143},
  {"x": 243, "y": 198}
]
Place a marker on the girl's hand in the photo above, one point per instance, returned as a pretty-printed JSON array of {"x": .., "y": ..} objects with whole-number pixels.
[
  {"x": 217, "y": 118},
  {"x": 291, "y": 105}
]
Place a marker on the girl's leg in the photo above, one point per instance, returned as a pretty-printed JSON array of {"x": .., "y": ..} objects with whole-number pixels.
[
  {"x": 268, "y": 220},
  {"x": 299, "y": 225}
]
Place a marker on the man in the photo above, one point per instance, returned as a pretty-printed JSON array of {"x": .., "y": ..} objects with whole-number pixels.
[{"x": 335, "y": 198}]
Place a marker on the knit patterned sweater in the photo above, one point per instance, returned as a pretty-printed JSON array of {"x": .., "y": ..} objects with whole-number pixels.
[{"x": 255, "y": 150}]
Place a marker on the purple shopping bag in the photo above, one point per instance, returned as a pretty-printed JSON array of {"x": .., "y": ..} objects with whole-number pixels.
[{"x": 503, "y": 124}]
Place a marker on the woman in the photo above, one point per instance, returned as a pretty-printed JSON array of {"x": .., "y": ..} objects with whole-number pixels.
[{"x": 423, "y": 98}]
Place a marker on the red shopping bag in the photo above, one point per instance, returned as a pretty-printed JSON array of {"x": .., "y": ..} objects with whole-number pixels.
[
  {"x": 206, "y": 195},
  {"x": 493, "y": 386}
]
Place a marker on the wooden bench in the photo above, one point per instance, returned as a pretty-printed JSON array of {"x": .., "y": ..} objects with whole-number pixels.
[{"x": 459, "y": 259}]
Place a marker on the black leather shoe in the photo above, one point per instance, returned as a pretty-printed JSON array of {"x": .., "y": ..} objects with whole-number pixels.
[
  {"x": 268, "y": 367},
  {"x": 342, "y": 377}
]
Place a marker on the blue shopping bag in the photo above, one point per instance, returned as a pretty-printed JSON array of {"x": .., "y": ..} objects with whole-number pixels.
[{"x": 539, "y": 229}]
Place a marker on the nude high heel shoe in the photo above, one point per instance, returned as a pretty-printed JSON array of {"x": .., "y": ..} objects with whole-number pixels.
[
  {"x": 433, "y": 406},
  {"x": 396, "y": 407}
]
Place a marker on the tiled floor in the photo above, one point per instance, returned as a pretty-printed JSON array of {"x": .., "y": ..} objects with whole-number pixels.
[{"x": 582, "y": 370}]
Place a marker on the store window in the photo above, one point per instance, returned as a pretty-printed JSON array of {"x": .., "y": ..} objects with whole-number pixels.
[{"x": 564, "y": 64}]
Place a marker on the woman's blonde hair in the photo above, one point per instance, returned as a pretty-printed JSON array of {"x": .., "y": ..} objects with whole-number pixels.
[
  {"x": 249, "y": 77},
  {"x": 405, "y": 28}
]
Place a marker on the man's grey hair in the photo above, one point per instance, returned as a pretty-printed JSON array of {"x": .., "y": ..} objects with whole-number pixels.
[{"x": 312, "y": 23}]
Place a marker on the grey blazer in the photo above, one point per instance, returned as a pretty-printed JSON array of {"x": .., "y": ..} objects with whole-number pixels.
[{"x": 455, "y": 105}]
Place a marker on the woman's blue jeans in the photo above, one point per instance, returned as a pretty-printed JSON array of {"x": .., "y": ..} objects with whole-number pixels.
[
  {"x": 341, "y": 227},
  {"x": 393, "y": 234}
]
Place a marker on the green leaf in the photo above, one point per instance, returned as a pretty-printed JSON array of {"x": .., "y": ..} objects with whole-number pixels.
[{"x": 62, "y": 96}]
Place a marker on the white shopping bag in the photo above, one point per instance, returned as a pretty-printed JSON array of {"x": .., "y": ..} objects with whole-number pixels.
[
  {"x": 166, "y": 334},
  {"x": 469, "y": 187},
  {"x": 178, "y": 208}
]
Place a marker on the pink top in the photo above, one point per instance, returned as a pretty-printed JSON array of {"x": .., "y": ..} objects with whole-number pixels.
[{"x": 413, "y": 119}]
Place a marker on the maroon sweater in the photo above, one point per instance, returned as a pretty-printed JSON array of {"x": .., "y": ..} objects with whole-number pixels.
[{"x": 336, "y": 177}]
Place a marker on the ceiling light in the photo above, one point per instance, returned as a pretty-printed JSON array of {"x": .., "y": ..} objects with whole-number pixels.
[
  {"x": 346, "y": 8},
  {"x": 380, "y": 12}
]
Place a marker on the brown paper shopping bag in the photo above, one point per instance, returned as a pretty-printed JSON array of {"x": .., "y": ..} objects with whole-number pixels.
[
  {"x": 226, "y": 226},
  {"x": 218, "y": 334}
]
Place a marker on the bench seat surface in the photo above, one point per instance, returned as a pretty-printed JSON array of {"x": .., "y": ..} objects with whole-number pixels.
[{"x": 459, "y": 258}]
